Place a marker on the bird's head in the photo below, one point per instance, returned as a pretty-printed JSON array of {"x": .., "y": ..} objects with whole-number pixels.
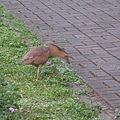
[{"x": 55, "y": 51}]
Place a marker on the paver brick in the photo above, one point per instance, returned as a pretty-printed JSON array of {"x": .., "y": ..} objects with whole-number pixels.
[
  {"x": 111, "y": 97},
  {"x": 112, "y": 83},
  {"x": 97, "y": 85},
  {"x": 113, "y": 90}
]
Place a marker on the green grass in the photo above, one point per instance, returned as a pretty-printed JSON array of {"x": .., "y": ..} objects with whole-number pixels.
[{"x": 48, "y": 99}]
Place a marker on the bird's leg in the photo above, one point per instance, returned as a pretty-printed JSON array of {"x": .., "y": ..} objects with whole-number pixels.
[{"x": 38, "y": 69}]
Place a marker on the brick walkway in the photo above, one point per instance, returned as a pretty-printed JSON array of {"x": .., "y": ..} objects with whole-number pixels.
[{"x": 89, "y": 30}]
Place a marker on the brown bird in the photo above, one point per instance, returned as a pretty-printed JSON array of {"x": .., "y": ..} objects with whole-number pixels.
[{"x": 38, "y": 56}]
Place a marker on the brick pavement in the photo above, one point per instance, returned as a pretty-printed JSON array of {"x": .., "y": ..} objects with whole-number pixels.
[{"x": 89, "y": 30}]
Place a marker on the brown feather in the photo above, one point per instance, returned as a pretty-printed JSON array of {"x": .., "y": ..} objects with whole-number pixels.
[{"x": 38, "y": 56}]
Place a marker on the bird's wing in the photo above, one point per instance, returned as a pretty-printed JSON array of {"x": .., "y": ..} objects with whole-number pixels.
[{"x": 34, "y": 52}]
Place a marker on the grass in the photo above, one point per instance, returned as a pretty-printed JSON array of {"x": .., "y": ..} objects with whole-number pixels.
[{"x": 48, "y": 99}]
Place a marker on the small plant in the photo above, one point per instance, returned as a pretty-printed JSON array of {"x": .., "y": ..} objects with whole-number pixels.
[
  {"x": 117, "y": 115},
  {"x": 82, "y": 92}
]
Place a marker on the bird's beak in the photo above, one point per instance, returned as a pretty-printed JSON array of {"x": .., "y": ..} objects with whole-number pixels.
[{"x": 67, "y": 59}]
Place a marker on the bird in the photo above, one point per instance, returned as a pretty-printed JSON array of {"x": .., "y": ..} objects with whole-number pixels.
[{"x": 39, "y": 55}]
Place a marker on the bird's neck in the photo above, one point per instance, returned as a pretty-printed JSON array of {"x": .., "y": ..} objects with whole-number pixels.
[{"x": 54, "y": 52}]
